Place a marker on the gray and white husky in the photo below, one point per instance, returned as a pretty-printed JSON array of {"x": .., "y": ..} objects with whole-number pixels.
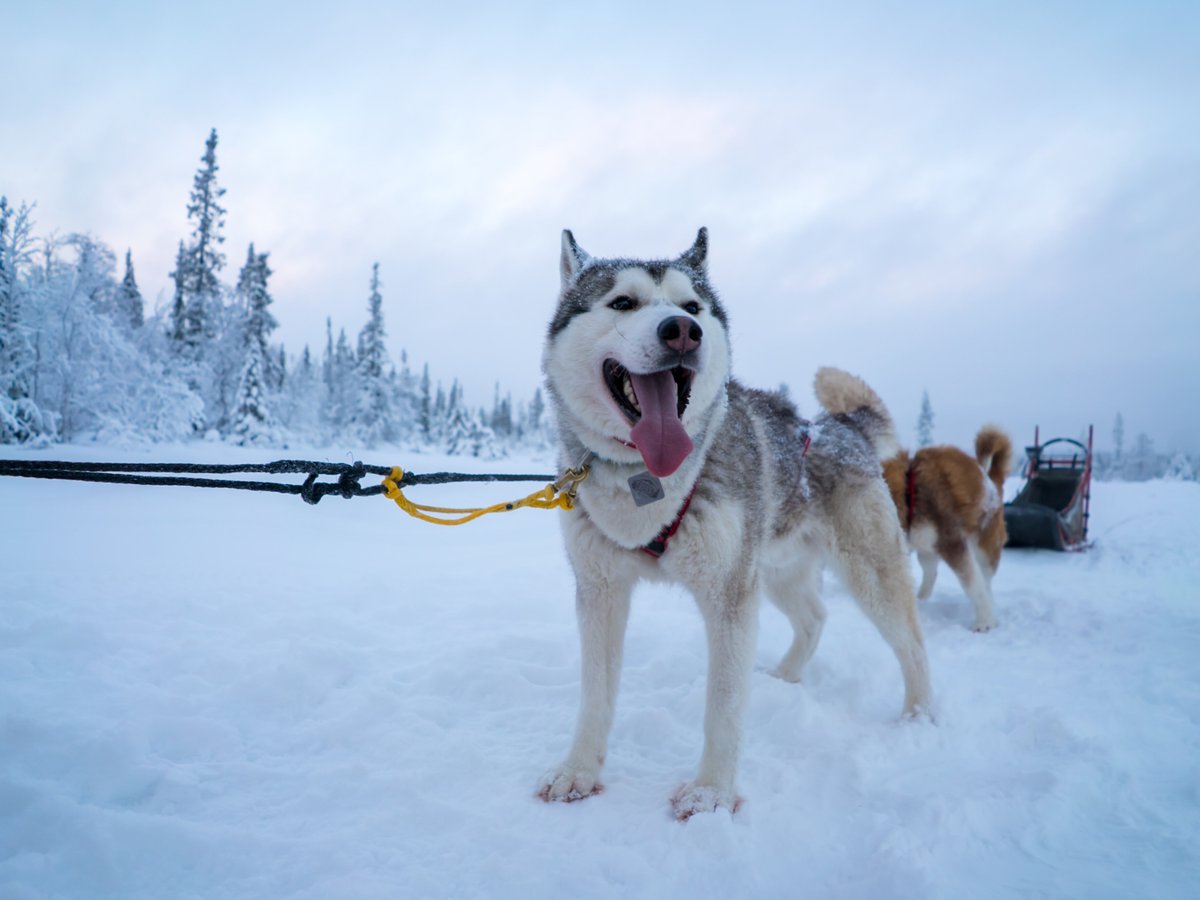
[{"x": 698, "y": 480}]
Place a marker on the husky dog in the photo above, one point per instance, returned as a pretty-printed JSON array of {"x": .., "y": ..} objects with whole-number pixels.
[
  {"x": 952, "y": 506},
  {"x": 747, "y": 494}
]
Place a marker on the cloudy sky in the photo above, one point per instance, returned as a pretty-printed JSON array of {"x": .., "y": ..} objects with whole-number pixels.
[{"x": 997, "y": 202}]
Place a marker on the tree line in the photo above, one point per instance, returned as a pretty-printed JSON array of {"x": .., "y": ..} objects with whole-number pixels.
[
  {"x": 81, "y": 359},
  {"x": 1139, "y": 462}
]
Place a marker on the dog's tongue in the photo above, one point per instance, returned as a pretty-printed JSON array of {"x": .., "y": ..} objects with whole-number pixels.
[{"x": 658, "y": 434}]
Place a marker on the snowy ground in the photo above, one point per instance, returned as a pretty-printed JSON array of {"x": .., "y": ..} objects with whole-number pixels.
[{"x": 223, "y": 695}]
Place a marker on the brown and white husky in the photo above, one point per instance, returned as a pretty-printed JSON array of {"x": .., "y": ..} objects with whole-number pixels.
[{"x": 952, "y": 506}]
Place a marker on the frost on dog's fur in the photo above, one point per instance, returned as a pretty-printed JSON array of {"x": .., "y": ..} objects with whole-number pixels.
[
  {"x": 764, "y": 515},
  {"x": 843, "y": 394}
]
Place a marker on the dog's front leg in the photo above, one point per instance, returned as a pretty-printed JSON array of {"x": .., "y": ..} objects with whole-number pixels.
[
  {"x": 731, "y": 623},
  {"x": 602, "y": 608}
]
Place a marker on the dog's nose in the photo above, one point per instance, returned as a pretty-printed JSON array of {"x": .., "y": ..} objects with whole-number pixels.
[{"x": 680, "y": 333}]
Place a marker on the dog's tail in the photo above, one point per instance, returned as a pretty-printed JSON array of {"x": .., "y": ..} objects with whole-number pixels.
[
  {"x": 993, "y": 450},
  {"x": 843, "y": 394}
]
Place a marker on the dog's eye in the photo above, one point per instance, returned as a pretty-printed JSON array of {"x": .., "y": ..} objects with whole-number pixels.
[
  {"x": 623, "y": 304},
  {"x": 692, "y": 307}
]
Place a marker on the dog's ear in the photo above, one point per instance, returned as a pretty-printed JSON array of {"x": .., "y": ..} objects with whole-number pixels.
[
  {"x": 696, "y": 257},
  {"x": 574, "y": 258}
]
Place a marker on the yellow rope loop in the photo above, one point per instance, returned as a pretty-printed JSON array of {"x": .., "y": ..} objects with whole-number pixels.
[
  {"x": 576, "y": 477},
  {"x": 552, "y": 496}
]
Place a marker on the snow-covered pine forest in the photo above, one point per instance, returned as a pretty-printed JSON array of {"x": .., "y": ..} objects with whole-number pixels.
[{"x": 83, "y": 359}]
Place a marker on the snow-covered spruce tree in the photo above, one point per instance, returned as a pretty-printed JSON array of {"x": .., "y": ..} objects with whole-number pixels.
[
  {"x": 180, "y": 277},
  {"x": 374, "y": 411},
  {"x": 340, "y": 389},
  {"x": 406, "y": 399},
  {"x": 204, "y": 257},
  {"x": 454, "y": 421},
  {"x": 95, "y": 269},
  {"x": 210, "y": 356},
  {"x": 22, "y": 420},
  {"x": 253, "y": 421},
  {"x": 535, "y": 430},
  {"x": 129, "y": 301},
  {"x": 1142, "y": 463},
  {"x": 255, "y": 299},
  {"x": 302, "y": 395},
  {"x": 501, "y": 418},
  {"x": 345, "y": 366},
  {"x": 425, "y": 409},
  {"x": 1179, "y": 468},
  {"x": 372, "y": 352},
  {"x": 925, "y": 422},
  {"x": 458, "y": 432},
  {"x": 482, "y": 440},
  {"x": 437, "y": 418},
  {"x": 325, "y": 418}
]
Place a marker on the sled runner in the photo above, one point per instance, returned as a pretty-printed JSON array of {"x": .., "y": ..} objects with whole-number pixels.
[{"x": 1051, "y": 510}]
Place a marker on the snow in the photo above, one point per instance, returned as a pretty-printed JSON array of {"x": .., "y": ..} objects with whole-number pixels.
[{"x": 213, "y": 694}]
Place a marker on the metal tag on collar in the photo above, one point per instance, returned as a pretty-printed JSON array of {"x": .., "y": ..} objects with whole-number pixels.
[{"x": 645, "y": 488}]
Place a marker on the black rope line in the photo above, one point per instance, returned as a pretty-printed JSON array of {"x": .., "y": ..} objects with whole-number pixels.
[{"x": 181, "y": 475}]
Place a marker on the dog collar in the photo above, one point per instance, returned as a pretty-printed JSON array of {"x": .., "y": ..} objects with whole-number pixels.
[{"x": 658, "y": 546}]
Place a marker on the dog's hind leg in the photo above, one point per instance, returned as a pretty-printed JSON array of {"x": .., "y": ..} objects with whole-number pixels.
[
  {"x": 602, "y": 609},
  {"x": 796, "y": 591},
  {"x": 929, "y": 564},
  {"x": 922, "y": 538},
  {"x": 975, "y": 574},
  {"x": 873, "y": 562},
  {"x": 731, "y": 624}
]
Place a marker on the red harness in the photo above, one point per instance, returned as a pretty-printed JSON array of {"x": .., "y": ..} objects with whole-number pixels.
[
  {"x": 658, "y": 546},
  {"x": 910, "y": 494}
]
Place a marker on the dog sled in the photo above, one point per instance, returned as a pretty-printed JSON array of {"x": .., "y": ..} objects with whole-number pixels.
[{"x": 1051, "y": 510}]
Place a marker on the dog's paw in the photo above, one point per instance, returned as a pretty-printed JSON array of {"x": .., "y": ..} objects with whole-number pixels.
[
  {"x": 920, "y": 715},
  {"x": 693, "y": 798},
  {"x": 569, "y": 783},
  {"x": 790, "y": 674},
  {"x": 984, "y": 626}
]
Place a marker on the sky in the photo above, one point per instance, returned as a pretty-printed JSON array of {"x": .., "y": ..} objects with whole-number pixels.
[{"x": 996, "y": 203}]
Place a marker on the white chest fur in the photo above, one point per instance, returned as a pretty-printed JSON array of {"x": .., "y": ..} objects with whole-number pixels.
[{"x": 606, "y": 498}]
